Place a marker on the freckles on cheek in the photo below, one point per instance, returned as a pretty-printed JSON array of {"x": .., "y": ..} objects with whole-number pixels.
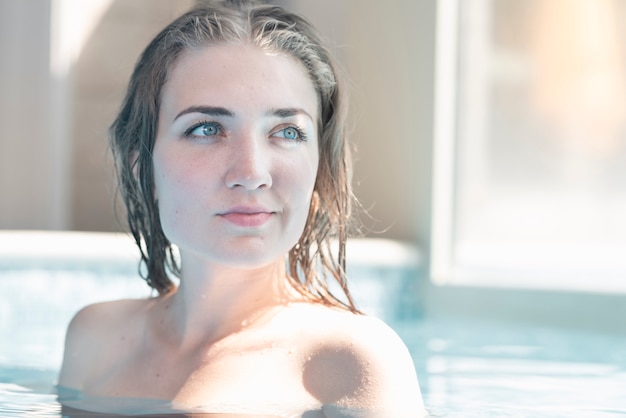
[
  {"x": 181, "y": 187},
  {"x": 169, "y": 172},
  {"x": 165, "y": 182},
  {"x": 303, "y": 183}
]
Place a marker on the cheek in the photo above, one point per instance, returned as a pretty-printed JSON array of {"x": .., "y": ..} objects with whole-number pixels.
[
  {"x": 164, "y": 180},
  {"x": 302, "y": 182},
  {"x": 301, "y": 173},
  {"x": 173, "y": 191},
  {"x": 163, "y": 190},
  {"x": 177, "y": 175}
]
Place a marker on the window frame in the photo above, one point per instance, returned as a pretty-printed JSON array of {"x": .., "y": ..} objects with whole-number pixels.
[{"x": 444, "y": 268}]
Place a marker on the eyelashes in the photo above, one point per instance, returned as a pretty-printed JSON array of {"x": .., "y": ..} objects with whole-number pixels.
[
  {"x": 291, "y": 133},
  {"x": 203, "y": 130},
  {"x": 209, "y": 129}
]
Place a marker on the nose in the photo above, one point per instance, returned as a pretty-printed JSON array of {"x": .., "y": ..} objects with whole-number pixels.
[{"x": 249, "y": 166}]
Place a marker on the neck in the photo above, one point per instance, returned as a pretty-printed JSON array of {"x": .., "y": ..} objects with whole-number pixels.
[{"x": 213, "y": 302}]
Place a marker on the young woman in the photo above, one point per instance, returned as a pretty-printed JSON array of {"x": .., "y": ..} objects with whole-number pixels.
[{"x": 230, "y": 146}]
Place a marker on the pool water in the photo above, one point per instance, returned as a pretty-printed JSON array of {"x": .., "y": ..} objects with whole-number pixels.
[
  {"x": 468, "y": 367},
  {"x": 472, "y": 368}
]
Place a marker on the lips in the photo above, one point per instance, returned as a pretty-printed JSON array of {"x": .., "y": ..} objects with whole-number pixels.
[{"x": 247, "y": 216}]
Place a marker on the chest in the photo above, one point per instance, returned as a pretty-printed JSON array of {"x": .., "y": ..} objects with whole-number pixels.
[{"x": 252, "y": 377}]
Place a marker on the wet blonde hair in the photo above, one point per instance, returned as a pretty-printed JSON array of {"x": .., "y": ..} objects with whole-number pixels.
[{"x": 312, "y": 261}]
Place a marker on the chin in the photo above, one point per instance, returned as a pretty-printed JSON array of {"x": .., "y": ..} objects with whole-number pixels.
[{"x": 243, "y": 255}]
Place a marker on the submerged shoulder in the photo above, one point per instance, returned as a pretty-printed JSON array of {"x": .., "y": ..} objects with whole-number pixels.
[
  {"x": 378, "y": 345},
  {"x": 89, "y": 334},
  {"x": 375, "y": 337},
  {"x": 359, "y": 362},
  {"x": 363, "y": 332},
  {"x": 99, "y": 317}
]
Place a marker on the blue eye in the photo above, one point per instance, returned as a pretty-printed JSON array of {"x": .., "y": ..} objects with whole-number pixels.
[
  {"x": 291, "y": 133},
  {"x": 203, "y": 129}
]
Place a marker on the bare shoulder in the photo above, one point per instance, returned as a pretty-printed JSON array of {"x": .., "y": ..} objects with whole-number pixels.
[
  {"x": 89, "y": 335},
  {"x": 359, "y": 362}
]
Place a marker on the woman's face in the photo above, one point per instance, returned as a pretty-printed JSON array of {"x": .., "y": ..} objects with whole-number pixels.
[{"x": 236, "y": 154}]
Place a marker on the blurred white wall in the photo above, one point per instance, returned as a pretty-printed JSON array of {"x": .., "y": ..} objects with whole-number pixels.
[
  {"x": 33, "y": 160},
  {"x": 55, "y": 172},
  {"x": 387, "y": 49}
]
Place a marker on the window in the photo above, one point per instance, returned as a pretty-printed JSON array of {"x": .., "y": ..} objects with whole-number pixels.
[{"x": 530, "y": 144}]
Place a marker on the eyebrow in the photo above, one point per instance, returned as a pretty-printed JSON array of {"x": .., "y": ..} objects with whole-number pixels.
[
  {"x": 288, "y": 112},
  {"x": 207, "y": 110},
  {"x": 221, "y": 111}
]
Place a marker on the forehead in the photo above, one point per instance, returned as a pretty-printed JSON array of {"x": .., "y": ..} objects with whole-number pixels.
[{"x": 238, "y": 76}]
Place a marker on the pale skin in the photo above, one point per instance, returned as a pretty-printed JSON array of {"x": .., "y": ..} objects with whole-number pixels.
[{"x": 235, "y": 162}]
